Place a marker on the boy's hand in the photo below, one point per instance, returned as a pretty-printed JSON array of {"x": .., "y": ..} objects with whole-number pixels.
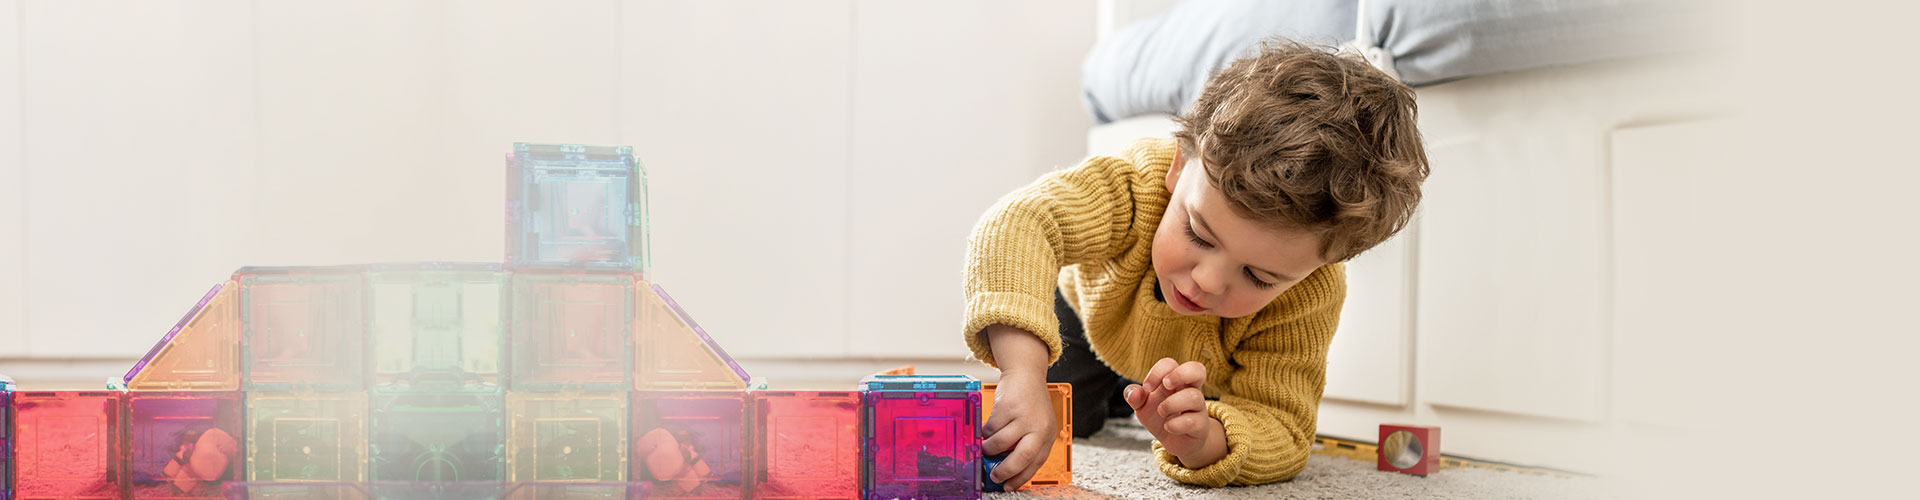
[
  {"x": 1170, "y": 405},
  {"x": 1022, "y": 421}
]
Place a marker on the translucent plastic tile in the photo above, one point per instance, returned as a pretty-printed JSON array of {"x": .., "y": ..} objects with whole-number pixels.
[
  {"x": 306, "y": 436},
  {"x": 67, "y": 444},
  {"x": 675, "y": 353},
  {"x": 806, "y": 445},
  {"x": 6, "y": 440},
  {"x": 577, "y": 491},
  {"x": 690, "y": 444},
  {"x": 576, "y": 206},
  {"x": 920, "y": 383},
  {"x": 303, "y": 328},
  {"x": 437, "y": 327},
  {"x": 922, "y": 444},
  {"x": 1059, "y": 467},
  {"x": 570, "y": 331},
  {"x": 200, "y": 353},
  {"x": 300, "y": 491},
  {"x": 567, "y": 437},
  {"x": 439, "y": 438},
  {"x": 183, "y": 444}
]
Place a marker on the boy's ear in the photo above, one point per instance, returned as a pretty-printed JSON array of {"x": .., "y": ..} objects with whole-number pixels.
[{"x": 1173, "y": 171}]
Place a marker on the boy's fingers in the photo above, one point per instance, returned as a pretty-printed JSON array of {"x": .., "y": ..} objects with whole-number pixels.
[
  {"x": 1136, "y": 397},
  {"x": 1186, "y": 400},
  {"x": 999, "y": 442},
  {"x": 1189, "y": 374},
  {"x": 1158, "y": 372},
  {"x": 994, "y": 422},
  {"x": 1017, "y": 463},
  {"x": 1190, "y": 423}
]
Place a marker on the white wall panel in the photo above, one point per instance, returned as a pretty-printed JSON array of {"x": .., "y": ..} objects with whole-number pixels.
[
  {"x": 139, "y": 143},
  {"x": 13, "y": 190},
  {"x": 1371, "y": 357},
  {"x": 740, "y": 111},
  {"x": 955, "y": 105}
]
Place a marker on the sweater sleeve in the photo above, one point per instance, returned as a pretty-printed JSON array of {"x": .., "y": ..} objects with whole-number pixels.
[
  {"x": 1080, "y": 215},
  {"x": 1272, "y": 401}
]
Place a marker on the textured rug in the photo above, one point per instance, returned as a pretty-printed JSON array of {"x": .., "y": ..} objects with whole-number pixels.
[{"x": 1117, "y": 463}]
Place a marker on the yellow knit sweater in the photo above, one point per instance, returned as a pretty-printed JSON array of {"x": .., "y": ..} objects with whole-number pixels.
[{"x": 1089, "y": 230}]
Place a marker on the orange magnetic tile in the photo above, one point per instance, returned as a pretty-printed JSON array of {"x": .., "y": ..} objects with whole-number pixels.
[
  {"x": 201, "y": 353},
  {"x": 1058, "y": 471},
  {"x": 674, "y": 353}
]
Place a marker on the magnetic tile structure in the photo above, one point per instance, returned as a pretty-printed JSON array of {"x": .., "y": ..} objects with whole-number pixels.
[
  {"x": 199, "y": 353},
  {"x": 576, "y": 206},
  {"x": 6, "y": 438},
  {"x": 675, "y": 353},
  {"x": 571, "y": 437},
  {"x": 1058, "y": 470},
  {"x": 571, "y": 330},
  {"x": 183, "y": 444},
  {"x": 303, "y": 329},
  {"x": 437, "y": 327},
  {"x": 454, "y": 437},
  {"x": 561, "y": 372},
  {"x": 690, "y": 445},
  {"x": 318, "y": 437},
  {"x": 67, "y": 445},
  {"x": 921, "y": 437},
  {"x": 807, "y": 444}
]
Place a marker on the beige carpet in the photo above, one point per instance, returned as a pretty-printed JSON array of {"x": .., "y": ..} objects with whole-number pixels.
[{"x": 1116, "y": 463}]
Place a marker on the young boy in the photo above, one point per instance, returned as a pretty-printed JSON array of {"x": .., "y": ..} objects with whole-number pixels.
[{"x": 1207, "y": 266}]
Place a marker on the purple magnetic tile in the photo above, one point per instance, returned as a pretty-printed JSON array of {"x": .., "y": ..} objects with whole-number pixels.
[
  {"x": 184, "y": 444},
  {"x": 737, "y": 370},
  {"x": 175, "y": 331},
  {"x": 675, "y": 429},
  {"x": 922, "y": 445}
]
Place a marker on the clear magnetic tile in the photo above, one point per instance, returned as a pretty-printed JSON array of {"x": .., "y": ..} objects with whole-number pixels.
[
  {"x": 674, "y": 353},
  {"x": 200, "y": 353},
  {"x": 184, "y": 444},
  {"x": 567, "y": 437},
  {"x": 547, "y": 490},
  {"x": 1058, "y": 470},
  {"x": 303, "y": 328},
  {"x": 922, "y": 445},
  {"x": 690, "y": 444},
  {"x": 299, "y": 491},
  {"x": 569, "y": 330},
  {"x": 437, "y": 438},
  {"x": 920, "y": 383},
  {"x": 806, "y": 444},
  {"x": 571, "y": 205},
  {"x": 67, "y": 444},
  {"x": 306, "y": 437},
  {"x": 437, "y": 327}
]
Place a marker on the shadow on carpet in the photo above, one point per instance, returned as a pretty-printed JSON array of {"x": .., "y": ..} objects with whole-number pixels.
[{"x": 1117, "y": 462}]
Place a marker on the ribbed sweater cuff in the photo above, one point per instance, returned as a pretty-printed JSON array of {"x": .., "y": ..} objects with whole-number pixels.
[
  {"x": 1239, "y": 443},
  {"x": 1021, "y": 311}
]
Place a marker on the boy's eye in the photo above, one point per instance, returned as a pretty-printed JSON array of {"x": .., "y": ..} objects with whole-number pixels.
[
  {"x": 1257, "y": 282},
  {"x": 1196, "y": 237}
]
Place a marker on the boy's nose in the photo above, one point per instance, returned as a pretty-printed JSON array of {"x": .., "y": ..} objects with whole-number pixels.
[{"x": 1210, "y": 279}]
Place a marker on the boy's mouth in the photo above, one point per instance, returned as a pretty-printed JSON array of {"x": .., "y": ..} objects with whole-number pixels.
[{"x": 1186, "y": 302}]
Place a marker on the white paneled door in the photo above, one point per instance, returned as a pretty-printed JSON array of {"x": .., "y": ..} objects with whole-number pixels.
[
  {"x": 139, "y": 143},
  {"x": 955, "y": 105},
  {"x": 13, "y": 190},
  {"x": 740, "y": 111}
]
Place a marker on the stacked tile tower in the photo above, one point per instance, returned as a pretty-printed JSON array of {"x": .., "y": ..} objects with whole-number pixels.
[{"x": 561, "y": 373}]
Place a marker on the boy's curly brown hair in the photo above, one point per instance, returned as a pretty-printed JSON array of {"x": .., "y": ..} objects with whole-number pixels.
[{"x": 1303, "y": 137}]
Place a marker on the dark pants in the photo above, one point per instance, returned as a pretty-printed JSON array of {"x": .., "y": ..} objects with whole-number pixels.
[{"x": 1096, "y": 388}]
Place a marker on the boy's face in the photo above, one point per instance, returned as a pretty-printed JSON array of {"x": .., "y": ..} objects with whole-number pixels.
[{"x": 1212, "y": 261}]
